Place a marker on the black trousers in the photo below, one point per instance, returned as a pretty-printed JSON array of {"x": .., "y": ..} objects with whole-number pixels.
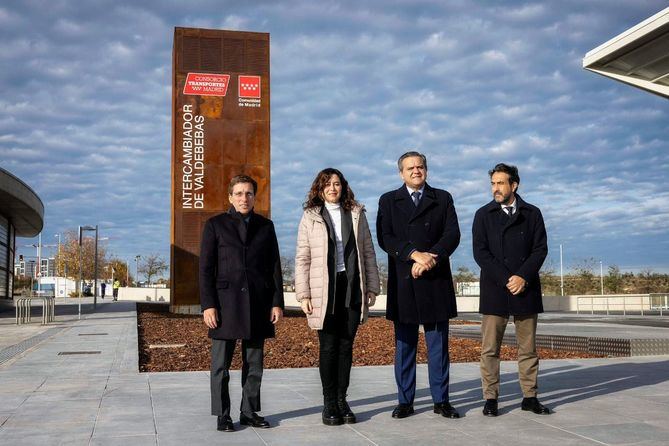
[
  {"x": 252, "y": 368},
  {"x": 336, "y": 343}
]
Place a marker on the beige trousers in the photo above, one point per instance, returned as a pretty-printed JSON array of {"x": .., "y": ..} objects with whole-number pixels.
[{"x": 492, "y": 332}]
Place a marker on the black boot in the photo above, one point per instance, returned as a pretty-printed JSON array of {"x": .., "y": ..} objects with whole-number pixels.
[
  {"x": 331, "y": 415},
  {"x": 347, "y": 414}
]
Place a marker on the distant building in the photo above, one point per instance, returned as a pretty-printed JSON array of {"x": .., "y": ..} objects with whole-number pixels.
[
  {"x": 48, "y": 268},
  {"x": 24, "y": 268},
  {"x": 21, "y": 215}
]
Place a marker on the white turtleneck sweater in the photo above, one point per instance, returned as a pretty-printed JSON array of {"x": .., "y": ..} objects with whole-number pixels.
[{"x": 335, "y": 215}]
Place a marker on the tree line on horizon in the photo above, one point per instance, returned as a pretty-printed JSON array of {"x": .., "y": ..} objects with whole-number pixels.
[{"x": 583, "y": 278}]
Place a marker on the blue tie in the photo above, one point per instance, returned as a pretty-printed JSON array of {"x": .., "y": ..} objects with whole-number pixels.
[{"x": 416, "y": 198}]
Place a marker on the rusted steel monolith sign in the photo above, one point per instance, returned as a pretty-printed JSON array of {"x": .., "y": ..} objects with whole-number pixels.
[{"x": 220, "y": 128}]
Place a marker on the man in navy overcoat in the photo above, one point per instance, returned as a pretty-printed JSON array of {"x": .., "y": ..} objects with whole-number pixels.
[
  {"x": 418, "y": 227},
  {"x": 509, "y": 241}
]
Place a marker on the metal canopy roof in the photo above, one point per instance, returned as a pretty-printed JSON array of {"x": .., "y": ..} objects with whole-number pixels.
[
  {"x": 21, "y": 205},
  {"x": 638, "y": 56}
]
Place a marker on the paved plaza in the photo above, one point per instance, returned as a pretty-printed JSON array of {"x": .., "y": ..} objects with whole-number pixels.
[{"x": 76, "y": 382}]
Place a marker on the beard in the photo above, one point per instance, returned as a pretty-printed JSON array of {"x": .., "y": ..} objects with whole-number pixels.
[{"x": 503, "y": 199}]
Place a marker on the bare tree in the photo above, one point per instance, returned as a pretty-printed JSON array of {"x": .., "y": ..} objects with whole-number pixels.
[
  {"x": 287, "y": 270},
  {"x": 464, "y": 274},
  {"x": 646, "y": 280},
  {"x": 614, "y": 280},
  {"x": 584, "y": 280},
  {"x": 550, "y": 282},
  {"x": 152, "y": 266}
]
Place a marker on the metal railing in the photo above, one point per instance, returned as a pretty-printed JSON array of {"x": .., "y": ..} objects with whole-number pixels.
[
  {"x": 659, "y": 301},
  {"x": 648, "y": 302},
  {"x": 24, "y": 306}
]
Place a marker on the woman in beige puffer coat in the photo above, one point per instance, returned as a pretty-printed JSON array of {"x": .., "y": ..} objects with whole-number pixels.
[{"x": 336, "y": 281}]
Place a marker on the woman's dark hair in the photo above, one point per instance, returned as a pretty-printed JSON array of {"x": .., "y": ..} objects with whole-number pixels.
[{"x": 315, "y": 196}]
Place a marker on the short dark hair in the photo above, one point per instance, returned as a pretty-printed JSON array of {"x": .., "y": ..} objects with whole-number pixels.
[
  {"x": 409, "y": 155},
  {"x": 239, "y": 179},
  {"x": 512, "y": 171}
]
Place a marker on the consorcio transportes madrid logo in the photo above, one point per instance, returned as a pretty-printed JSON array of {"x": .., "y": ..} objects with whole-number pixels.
[{"x": 206, "y": 84}]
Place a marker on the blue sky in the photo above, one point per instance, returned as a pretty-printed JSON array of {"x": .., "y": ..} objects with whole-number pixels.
[{"x": 86, "y": 94}]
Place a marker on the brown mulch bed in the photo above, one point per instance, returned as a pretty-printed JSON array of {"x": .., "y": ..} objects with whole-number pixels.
[{"x": 295, "y": 344}]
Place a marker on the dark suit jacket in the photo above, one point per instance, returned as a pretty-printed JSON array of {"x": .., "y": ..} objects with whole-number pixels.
[
  {"x": 505, "y": 247},
  {"x": 240, "y": 275},
  {"x": 402, "y": 227}
]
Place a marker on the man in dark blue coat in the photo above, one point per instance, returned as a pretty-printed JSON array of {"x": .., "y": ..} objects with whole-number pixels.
[
  {"x": 241, "y": 295},
  {"x": 418, "y": 227},
  {"x": 509, "y": 241}
]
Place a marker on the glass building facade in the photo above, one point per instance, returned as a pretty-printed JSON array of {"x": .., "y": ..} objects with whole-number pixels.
[{"x": 7, "y": 247}]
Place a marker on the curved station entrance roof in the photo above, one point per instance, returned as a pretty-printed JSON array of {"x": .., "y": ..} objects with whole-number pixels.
[
  {"x": 638, "y": 56},
  {"x": 21, "y": 205}
]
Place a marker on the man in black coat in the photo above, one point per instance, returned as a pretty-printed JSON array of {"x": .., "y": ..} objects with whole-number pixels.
[
  {"x": 509, "y": 240},
  {"x": 241, "y": 295},
  {"x": 418, "y": 227}
]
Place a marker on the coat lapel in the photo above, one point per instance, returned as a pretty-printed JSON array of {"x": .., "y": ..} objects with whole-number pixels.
[
  {"x": 404, "y": 202},
  {"x": 242, "y": 228},
  {"x": 518, "y": 215},
  {"x": 346, "y": 226},
  {"x": 426, "y": 201},
  {"x": 328, "y": 224}
]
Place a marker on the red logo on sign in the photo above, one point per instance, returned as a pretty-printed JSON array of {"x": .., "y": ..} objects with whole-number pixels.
[
  {"x": 249, "y": 86},
  {"x": 205, "y": 84}
]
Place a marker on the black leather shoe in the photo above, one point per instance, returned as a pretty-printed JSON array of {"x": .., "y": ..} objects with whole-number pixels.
[
  {"x": 224, "y": 424},
  {"x": 490, "y": 408},
  {"x": 254, "y": 420},
  {"x": 446, "y": 410},
  {"x": 331, "y": 415},
  {"x": 345, "y": 411},
  {"x": 402, "y": 410},
  {"x": 535, "y": 406}
]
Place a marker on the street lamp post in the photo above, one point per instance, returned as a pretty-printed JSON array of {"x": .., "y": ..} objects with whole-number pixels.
[
  {"x": 59, "y": 260},
  {"x": 601, "y": 277},
  {"x": 55, "y": 293},
  {"x": 81, "y": 284},
  {"x": 137, "y": 257},
  {"x": 561, "y": 275}
]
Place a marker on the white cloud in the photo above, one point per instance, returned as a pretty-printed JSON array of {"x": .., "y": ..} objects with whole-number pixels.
[{"x": 84, "y": 116}]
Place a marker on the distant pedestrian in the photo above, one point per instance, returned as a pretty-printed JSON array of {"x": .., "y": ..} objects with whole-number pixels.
[
  {"x": 115, "y": 286},
  {"x": 103, "y": 287}
]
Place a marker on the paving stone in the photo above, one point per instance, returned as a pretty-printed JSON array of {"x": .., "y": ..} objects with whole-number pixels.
[{"x": 103, "y": 399}]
